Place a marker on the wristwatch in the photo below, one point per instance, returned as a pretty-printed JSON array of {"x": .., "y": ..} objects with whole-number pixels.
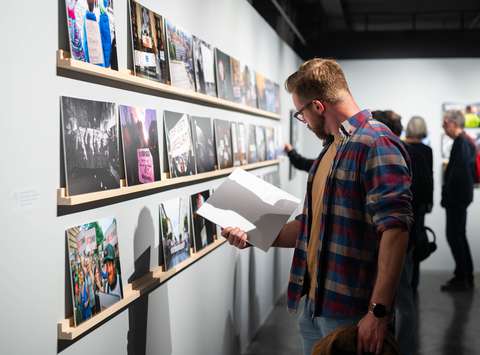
[{"x": 378, "y": 310}]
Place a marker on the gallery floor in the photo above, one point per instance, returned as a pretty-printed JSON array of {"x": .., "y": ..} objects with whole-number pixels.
[{"x": 449, "y": 323}]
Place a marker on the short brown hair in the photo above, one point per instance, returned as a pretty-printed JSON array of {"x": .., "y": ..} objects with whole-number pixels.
[{"x": 318, "y": 78}]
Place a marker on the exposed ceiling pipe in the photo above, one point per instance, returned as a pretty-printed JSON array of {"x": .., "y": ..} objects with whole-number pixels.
[{"x": 289, "y": 22}]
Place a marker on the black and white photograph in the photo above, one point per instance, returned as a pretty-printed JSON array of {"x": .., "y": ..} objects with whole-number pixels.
[
  {"x": 223, "y": 70},
  {"x": 139, "y": 130},
  {"x": 149, "y": 43},
  {"x": 204, "y": 58},
  {"x": 203, "y": 230},
  {"x": 178, "y": 138},
  {"x": 223, "y": 143},
  {"x": 252, "y": 154},
  {"x": 204, "y": 143},
  {"x": 261, "y": 143},
  {"x": 180, "y": 54},
  {"x": 90, "y": 143}
]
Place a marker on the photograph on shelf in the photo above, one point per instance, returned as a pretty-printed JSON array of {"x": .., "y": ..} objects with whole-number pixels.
[
  {"x": 204, "y": 58},
  {"x": 294, "y": 139},
  {"x": 139, "y": 128},
  {"x": 94, "y": 266},
  {"x": 242, "y": 143},
  {"x": 180, "y": 54},
  {"x": 276, "y": 90},
  {"x": 203, "y": 230},
  {"x": 223, "y": 143},
  {"x": 235, "y": 147},
  {"x": 270, "y": 142},
  {"x": 261, "y": 143},
  {"x": 149, "y": 43},
  {"x": 91, "y": 32},
  {"x": 203, "y": 143},
  {"x": 237, "y": 80},
  {"x": 252, "y": 154},
  {"x": 270, "y": 96},
  {"x": 249, "y": 90},
  {"x": 223, "y": 70},
  {"x": 260, "y": 84},
  {"x": 90, "y": 145},
  {"x": 178, "y": 138},
  {"x": 175, "y": 231}
]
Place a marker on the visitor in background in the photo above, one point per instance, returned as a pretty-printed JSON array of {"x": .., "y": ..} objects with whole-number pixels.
[
  {"x": 457, "y": 194},
  {"x": 297, "y": 160},
  {"x": 421, "y": 157}
]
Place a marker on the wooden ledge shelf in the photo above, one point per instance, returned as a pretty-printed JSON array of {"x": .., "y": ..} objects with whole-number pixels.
[
  {"x": 66, "y": 63},
  {"x": 67, "y": 331},
  {"x": 63, "y": 200}
]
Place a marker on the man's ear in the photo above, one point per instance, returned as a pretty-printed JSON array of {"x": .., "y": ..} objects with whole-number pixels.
[{"x": 319, "y": 106}]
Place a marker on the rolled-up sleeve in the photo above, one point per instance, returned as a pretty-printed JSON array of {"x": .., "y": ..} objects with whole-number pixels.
[{"x": 387, "y": 180}]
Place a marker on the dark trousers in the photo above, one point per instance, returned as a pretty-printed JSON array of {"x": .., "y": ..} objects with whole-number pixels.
[
  {"x": 417, "y": 230},
  {"x": 457, "y": 240}
]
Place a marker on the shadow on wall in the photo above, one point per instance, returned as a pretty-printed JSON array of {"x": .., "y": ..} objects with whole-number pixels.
[
  {"x": 143, "y": 245},
  {"x": 253, "y": 304},
  {"x": 231, "y": 336}
]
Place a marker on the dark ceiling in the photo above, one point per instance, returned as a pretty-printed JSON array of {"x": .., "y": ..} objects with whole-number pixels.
[{"x": 357, "y": 29}]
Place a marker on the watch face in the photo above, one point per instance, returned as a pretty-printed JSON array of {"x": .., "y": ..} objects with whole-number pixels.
[{"x": 379, "y": 311}]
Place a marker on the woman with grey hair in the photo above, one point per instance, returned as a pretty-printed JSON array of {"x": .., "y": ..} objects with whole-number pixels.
[{"x": 421, "y": 157}]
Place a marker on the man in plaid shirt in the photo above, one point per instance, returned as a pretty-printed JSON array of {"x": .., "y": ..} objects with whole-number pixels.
[{"x": 351, "y": 239}]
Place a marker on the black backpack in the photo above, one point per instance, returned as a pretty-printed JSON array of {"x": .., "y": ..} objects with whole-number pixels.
[{"x": 424, "y": 247}]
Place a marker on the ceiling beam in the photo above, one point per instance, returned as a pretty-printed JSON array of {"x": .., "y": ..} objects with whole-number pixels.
[{"x": 397, "y": 44}]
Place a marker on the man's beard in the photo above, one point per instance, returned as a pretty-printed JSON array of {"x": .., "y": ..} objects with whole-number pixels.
[{"x": 319, "y": 129}]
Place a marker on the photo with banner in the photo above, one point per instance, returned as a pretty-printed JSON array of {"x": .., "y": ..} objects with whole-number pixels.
[
  {"x": 94, "y": 265},
  {"x": 140, "y": 144},
  {"x": 91, "y": 32}
]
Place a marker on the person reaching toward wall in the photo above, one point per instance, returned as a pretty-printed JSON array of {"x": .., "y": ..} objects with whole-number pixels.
[
  {"x": 297, "y": 160},
  {"x": 351, "y": 239}
]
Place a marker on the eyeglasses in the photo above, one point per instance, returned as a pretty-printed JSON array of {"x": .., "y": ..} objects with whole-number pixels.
[{"x": 299, "y": 114}]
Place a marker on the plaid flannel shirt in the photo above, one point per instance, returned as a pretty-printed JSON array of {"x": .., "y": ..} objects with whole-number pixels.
[{"x": 366, "y": 193}]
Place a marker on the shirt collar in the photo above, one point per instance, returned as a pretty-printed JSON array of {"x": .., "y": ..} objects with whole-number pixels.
[{"x": 350, "y": 125}]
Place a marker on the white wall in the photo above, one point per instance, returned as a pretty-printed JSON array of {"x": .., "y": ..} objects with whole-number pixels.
[
  {"x": 419, "y": 87},
  {"x": 213, "y": 307}
]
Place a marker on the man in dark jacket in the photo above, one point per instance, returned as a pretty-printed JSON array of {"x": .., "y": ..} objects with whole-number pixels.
[{"x": 457, "y": 194}]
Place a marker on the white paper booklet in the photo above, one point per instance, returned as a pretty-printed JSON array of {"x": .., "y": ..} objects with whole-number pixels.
[{"x": 251, "y": 204}]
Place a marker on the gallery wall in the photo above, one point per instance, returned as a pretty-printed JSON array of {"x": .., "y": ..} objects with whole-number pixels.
[
  {"x": 419, "y": 87},
  {"x": 213, "y": 307}
]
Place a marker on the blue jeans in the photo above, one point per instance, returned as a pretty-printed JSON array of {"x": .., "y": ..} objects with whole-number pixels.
[
  {"x": 406, "y": 315},
  {"x": 314, "y": 329}
]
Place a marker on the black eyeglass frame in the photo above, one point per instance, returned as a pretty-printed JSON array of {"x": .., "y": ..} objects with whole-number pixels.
[{"x": 299, "y": 114}]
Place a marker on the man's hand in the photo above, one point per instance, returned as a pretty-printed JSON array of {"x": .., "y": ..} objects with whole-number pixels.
[
  {"x": 236, "y": 237},
  {"x": 371, "y": 333},
  {"x": 287, "y": 148}
]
